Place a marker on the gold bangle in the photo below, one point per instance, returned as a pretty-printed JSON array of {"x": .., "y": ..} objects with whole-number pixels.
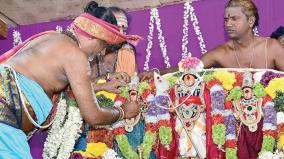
[{"x": 121, "y": 113}]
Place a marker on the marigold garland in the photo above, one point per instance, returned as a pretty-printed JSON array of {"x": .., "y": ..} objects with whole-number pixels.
[
  {"x": 275, "y": 85},
  {"x": 227, "y": 78}
]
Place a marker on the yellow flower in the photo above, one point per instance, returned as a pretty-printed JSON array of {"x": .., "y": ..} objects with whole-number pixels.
[
  {"x": 180, "y": 67},
  {"x": 227, "y": 78},
  {"x": 105, "y": 93},
  {"x": 96, "y": 149},
  {"x": 274, "y": 85},
  {"x": 280, "y": 143}
]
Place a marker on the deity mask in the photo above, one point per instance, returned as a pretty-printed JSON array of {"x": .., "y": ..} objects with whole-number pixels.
[{"x": 249, "y": 107}]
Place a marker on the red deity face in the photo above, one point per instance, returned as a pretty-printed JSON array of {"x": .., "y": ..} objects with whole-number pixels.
[
  {"x": 133, "y": 95},
  {"x": 247, "y": 93}
]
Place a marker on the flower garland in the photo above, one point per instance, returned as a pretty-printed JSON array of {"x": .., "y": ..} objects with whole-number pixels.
[
  {"x": 150, "y": 41},
  {"x": 269, "y": 127},
  {"x": 275, "y": 85},
  {"x": 195, "y": 23},
  {"x": 55, "y": 135},
  {"x": 218, "y": 126},
  {"x": 270, "y": 155},
  {"x": 16, "y": 38},
  {"x": 155, "y": 17},
  {"x": 96, "y": 150},
  {"x": 280, "y": 129},
  {"x": 163, "y": 116},
  {"x": 65, "y": 130},
  {"x": 268, "y": 76},
  {"x": 226, "y": 78},
  {"x": 231, "y": 139},
  {"x": 149, "y": 140},
  {"x": 279, "y": 106},
  {"x": 59, "y": 29},
  {"x": 184, "y": 48}
]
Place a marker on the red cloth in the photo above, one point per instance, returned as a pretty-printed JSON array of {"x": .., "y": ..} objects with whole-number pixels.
[
  {"x": 172, "y": 153},
  {"x": 211, "y": 149},
  {"x": 249, "y": 143}
]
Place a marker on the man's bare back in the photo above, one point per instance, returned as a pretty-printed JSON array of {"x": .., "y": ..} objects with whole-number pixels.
[
  {"x": 44, "y": 60},
  {"x": 254, "y": 56}
]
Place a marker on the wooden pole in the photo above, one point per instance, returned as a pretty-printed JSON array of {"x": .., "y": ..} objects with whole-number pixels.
[{"x": 3, "y": 29}]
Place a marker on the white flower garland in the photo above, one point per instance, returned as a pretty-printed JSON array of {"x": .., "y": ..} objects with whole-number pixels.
[
  {"x": 255, "y": 31},
  {"x": 196, "y": 27},
  {"x": 185, "y": 52},
  {"x": 72, "y": 130},
  {"x": 270, "y": 155},
  {"x": 59, "y": 29},
  {"x": 110, "y": 154},
  {"x": 16, "y": 38},
  {"x": 55, "y": 134},
  {"x": 62, "y": 136},
  {"x": 155, "y": 17}
]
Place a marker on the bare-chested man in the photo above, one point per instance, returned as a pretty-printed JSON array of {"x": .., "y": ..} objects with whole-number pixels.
[
  {"x": 243, "y": 49},
  {"x": 46, "y": 65}
]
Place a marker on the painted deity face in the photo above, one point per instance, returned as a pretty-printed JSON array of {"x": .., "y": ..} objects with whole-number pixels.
[
  {"x": 133, "y": 95},
  {"x": 236, "y": 22},
  {"x": 188, "y": 80},
  {"x": 247, "y": 93}
]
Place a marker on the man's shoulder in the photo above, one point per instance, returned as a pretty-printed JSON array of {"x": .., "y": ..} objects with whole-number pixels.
[{"x": 220, "y": 49}]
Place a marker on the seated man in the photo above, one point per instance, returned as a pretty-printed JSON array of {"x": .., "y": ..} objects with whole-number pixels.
[
  {"x": 243, "y": 50},
  {"x": 44, "y": 65}
]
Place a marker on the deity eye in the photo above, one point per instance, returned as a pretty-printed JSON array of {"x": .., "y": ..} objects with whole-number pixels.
[
  {"x": 158, "y": 77},
  {"x": 246, "y": 91}
]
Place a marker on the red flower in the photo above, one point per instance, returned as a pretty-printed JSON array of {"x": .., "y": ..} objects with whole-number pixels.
[
  {"x": 280, "y": 128},
  {"x": 165, "y": 123},
  {"x": 119, "y": 131},
  {"x": 272, "y": 133},
  {"x": 229, "y": 105},
  {"x": 145, "y": 94},
  {"x": 120, "y": 98},
  {"x": 211, "y": 83},
  {"x": 151, "y": 127},
  {"x": 266, "y": 99},
  {"x": 218, "y": 119},
  {"x": 231, "y": 144},
  {"x": 239, "y": 79}
]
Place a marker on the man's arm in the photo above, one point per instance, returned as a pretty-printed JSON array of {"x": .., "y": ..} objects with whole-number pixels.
[
  {"x": 209, "y": 59},
  {"x": 80, "y": 82}
]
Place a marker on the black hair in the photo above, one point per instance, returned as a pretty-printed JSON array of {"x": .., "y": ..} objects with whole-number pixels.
[
  {"x": 248, "y": 7},
  {"x": 278, "y": 32},
  {"x": 100, "y": 12},
  {"x": 195, "y": 77}
]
